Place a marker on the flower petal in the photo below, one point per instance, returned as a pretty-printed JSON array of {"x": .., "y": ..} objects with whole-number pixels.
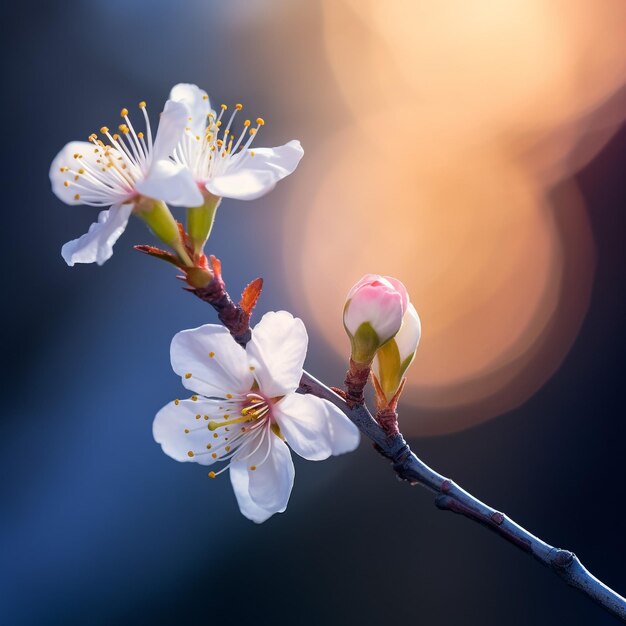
[
  {"x": 171, "y": 182},
  {"x": 217, "y": 363},
  {"x": 303, "y": 420},
  {"x": 72, "y": 159},
  {"x": 248, "y": 177},
  {"x": 270, "y": 483},
  {"x": 197, "y": 102},
  {"x": 171, "y": 128},
  {"x": 239, "y": 479},
  {"x": 178, "y": 431},
  {"x": 277, "y": 350},
  {"x": 96, "y": 245},
  {"x": 345, "y": 435}
]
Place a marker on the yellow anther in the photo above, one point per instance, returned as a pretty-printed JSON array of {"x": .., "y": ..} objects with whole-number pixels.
[
  {"x": 76, "y": 155},
  {"x": 253, "y": 131},
  {"x": 190, "y": 454},
  {"x": 142, "y": 105},
  {"x": 251, "y": 152},
  {"x": 124, "y": 112},
  {"x": 81, "y": 171},
  {"x": 223, "y": 107},
  {"x": 211, "y": 354},
  {"x": 206, "y": 417},
  {"x": 123, "y": 128},
  {"x": 227, "y": 448},
  {"x": 194, "y": 398},
  {"x": 186, "y": 430},
  {"x": 176, "y": 402},
  {"x": 198, "y": 416},
  {"x": 215, "y": 435},
  {"x": 205, "y": 97},
  {"x": 260, "y": 121},
  {"x": 229, "y": 395},
  {"x": 239, "y": 107},
  {"x": 218, "y": 124},
  {"x": 104, "y": 130},
  {"x": 252, "y": 368},
  {"x": 77, "y": 196},
  {"x": 247, "y": 123},
  {"x": 76, "y": 177},
  {"x": 188, "y": 375},
  {"x": 209, "y": 446},
  {"x": 253, "y": 467},
  {"x": 66, "y": 184},
  {"x": 214, "y": 455},
  {"x": 140, "y": 135},
  {"x": 226, "y": 416},
  {"x": 212, "y": 474}
]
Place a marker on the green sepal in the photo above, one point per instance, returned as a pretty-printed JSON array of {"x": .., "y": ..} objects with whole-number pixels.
[{"x": 200, "y": 221}]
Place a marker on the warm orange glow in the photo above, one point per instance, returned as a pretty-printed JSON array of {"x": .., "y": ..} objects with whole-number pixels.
[{"x": 468, "y": 121}]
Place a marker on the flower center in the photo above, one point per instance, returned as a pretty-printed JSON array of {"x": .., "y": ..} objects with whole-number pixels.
[
  {"x": 246, "y": 426},
  {"x": 207, "y": 153},
  {"x": 109, "y": 173}
]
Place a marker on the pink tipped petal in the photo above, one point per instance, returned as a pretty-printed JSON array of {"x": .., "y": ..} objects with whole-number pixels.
[
  {"x": 401, "y": 289},
  {"x": 277, "y": 350},
  {"x": 217, "y": 364},
  {"x": 96, "y": 245},
  {"x": 380, "y": 306},
  {"x": 304, "y": 422},
  {"x": 172, "y": 183}
]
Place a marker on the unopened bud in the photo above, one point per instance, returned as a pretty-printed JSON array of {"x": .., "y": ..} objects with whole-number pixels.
[
  {"x": 393, "y": 359},
  {"x": 373, "y": 314}
]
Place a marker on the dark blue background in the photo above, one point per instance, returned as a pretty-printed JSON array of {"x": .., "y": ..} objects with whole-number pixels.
[{"x": 99, "y": 527}]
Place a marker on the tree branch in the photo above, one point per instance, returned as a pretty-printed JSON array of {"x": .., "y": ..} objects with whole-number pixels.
[{"x": 408, "y": 467}]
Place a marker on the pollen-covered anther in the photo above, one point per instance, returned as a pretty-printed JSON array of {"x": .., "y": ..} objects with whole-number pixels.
[
  {"x": 260, "y": 121},
  {"x": 190, "y": 454},
  {"x": 211, "y": 355},
  {"x": 252, "y": 468},
  {"x": 212, "y": 474},
  {"x": 142, "y": 105},
  {"x": 188, "y": 375},
  {"x": 124, "y": 112}
]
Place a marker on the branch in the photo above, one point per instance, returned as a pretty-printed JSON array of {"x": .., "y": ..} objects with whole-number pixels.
[{"x": 391, "y": 444}]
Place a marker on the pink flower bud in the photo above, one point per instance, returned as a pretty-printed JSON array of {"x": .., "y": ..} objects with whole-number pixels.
[{"x": 373, "y": 314}]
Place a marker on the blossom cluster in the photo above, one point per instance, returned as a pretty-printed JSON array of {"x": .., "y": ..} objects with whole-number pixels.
[{"x": 245, "y": 413}]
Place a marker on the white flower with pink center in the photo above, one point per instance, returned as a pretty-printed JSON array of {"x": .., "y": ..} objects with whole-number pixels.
[{"x": 247, "y": 414}]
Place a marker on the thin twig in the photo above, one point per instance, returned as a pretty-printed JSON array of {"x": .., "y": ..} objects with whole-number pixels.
[{"x": 449, "y": 496}]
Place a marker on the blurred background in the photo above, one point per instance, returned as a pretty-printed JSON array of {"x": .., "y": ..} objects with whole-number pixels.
[{"x": 472, "y": 149}]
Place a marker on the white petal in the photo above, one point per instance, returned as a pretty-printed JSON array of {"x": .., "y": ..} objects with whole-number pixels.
[
  {"x": 173, "y": 420},
  {"x": 304, "y": 422},
  {"x": 96, "y": 245},
  {"x": 269, "y": 485},
  {"x": 65, "y": 159},
  {"x": 408, "y": 336},
  {"x": 171, "y": 128},
  {"x": 239, "y": 479},
  {"x": 197, "y": 102},
  {"x": 345, "y": 435},
  {"x": 171, "y": 182},
  {"x": 249, "y": 177},
  {"x": 277, "y": 350},
  {"x": 227, "y": 371}
]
